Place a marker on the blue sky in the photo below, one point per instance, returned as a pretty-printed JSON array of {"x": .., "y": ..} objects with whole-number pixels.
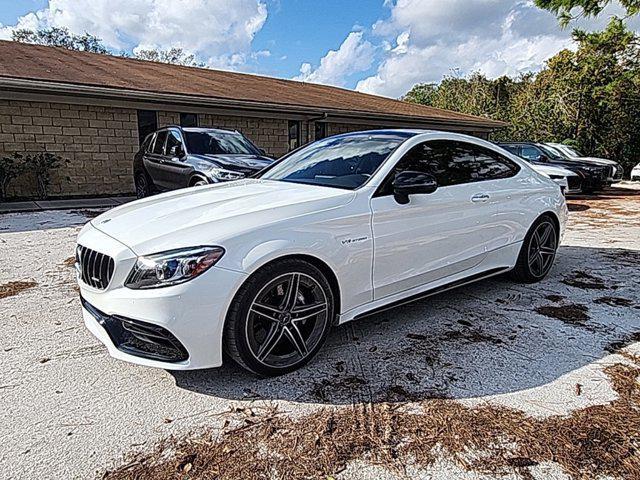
[{"x": 375, "y": 46}]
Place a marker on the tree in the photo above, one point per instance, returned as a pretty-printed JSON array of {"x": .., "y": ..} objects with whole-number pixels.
[
  {"x": 60, "y": 37},
  {"x": 174, "y": 55},
  {"x": 10, "y": 167},
  {"x": 588, "y": 8},
  {"x": 590, "y": 96}
]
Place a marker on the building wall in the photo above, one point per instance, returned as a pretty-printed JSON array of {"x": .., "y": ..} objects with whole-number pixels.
[{"x": 100, "y": 142}]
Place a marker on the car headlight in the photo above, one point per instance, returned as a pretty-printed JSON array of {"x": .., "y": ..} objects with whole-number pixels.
[
  {"x": 224, "y": 175},
  {"x": 172, "y": 267}
]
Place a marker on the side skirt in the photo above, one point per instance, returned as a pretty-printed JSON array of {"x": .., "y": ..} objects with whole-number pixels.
[{"x": 434, "y": 291}]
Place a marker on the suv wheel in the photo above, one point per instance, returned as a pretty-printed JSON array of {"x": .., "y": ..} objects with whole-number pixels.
[
  {"x": 280, "y": 318},
  {"x": 143, "y": 185}
]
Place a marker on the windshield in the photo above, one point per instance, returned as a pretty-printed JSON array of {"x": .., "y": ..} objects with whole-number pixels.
[
  {"x": 551, "y": 153},
  {"x": 572, "y": 151},
  {"x": 219, "y": 143},
  {"x": 342, "y": 162}
]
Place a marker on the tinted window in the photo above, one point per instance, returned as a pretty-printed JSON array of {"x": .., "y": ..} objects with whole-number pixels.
[
  {"x": 219, "y": 143},
  {"x": 147, "y": 123},
  {"x": 490, "y": 165},
  {"x": 447, "y": 161},
  {"x": 530, "y": 153},
  {"x": 511, "y": 148},
  {"x": 320, "y": 130},
  {"x": 158, "y": 147},
  {"x": 188, "y": 120},
  {"x": 294, "y": 134},
  {"x": 148, "y": 142},
  {"x": 173, "y": 140},
  {"x": 342, "y": 162},
  {"x": 453, "y": 163}
]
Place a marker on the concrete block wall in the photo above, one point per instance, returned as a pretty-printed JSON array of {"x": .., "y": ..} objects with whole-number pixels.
[{"x": 99, "y": 143}]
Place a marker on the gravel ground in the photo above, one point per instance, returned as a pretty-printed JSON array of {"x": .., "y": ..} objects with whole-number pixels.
[{"x": 70, "y": 411}]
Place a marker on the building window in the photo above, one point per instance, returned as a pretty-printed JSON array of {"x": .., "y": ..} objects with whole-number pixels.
[
  {"x": 147, "y": 123},
  {"x": 294, "y": 134},
  {"x": 188, "y": 119},
  {"x": 321, "y": 130}
]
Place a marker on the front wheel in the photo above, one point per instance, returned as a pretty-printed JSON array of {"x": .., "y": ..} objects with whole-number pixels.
[
  {"x": 538, "y": 251},
  {"x": 280, "y": 318}
]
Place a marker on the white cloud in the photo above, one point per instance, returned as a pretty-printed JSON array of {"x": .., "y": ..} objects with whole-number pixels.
[
  {"x": 354, "y": 55},
  {"x": 219, "y": 32},
  {"x": 426, "y": 39}
]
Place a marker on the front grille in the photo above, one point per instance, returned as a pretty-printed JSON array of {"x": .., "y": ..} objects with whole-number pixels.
[
  {"x": 95, "y": 268},
  {"x": 139, "y": 338},
  {"x": 574, "y": 183}
]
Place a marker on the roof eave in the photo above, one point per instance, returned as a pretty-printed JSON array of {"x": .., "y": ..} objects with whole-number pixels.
[{"x": 91, "y": 91}]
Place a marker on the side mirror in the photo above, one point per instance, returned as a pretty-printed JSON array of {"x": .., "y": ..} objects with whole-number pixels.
[
  {"x": 176, "y": 151},
  {"x": 543, "y": 158},
  {"x": 262, "y": 152},
  {"x": 413, "y": 183}
]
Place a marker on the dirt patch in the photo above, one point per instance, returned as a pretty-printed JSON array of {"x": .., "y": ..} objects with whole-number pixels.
[
  {"x": 572, "y": 314},
  {"x": 614, "y": 301},
  {"x": 585, "y": 281},
  {"x": 577, "y": 207},
  {"x": 617, "y": 345},
  {"x": 69, "y": 262},
  {"x": 593, "y": 442},
  {"x": 14, "y": 288},
  {"x": 340, "y": 386},
  {"x": 555, "y": 298},
  {"x": 87, "y": 213}
]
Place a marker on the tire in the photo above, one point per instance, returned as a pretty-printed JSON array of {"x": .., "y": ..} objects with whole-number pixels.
[
  {"x": 198, "y": 182},
  {"x": 144, "y": 184},
  {"x": 538, "y": 251},
  {"x": 269, "y": 331}
]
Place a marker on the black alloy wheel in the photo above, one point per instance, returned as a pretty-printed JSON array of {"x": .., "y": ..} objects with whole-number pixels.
[
  {"x": 538, "y": 251},
  {"x": 279, "y": 322}
]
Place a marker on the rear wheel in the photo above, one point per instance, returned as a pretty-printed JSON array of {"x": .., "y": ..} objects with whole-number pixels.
[
  {"x": 280, "y": 318},
  {"x": 538, "y": 251},
  {"x": 143, "y": 185}
]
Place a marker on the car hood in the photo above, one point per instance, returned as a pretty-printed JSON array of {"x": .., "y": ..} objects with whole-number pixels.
[
  {"x": 596, "y": 160},
  {"x": 250, "y": 162},
  {"x": 208, "y": 215},
  {"x": 550, "y": 170}
]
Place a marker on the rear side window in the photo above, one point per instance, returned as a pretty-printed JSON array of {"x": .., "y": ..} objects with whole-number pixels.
[
  {"x": 490, "y": 165},
  {"x": 158, "y": 146}
]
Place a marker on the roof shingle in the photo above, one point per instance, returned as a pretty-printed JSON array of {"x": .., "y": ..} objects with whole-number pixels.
[{"x": 59, "y": 65}]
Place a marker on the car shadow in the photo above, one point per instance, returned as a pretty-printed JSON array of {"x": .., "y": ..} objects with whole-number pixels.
[
  {"x": 46, "y": 219},
  {"x": 493, "y": 337}
]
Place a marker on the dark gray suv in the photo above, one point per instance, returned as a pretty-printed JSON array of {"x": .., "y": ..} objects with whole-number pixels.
[{"x": 176, "y": 157}]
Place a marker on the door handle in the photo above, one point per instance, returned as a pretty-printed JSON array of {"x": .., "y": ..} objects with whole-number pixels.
[{"x": 480, "y": 198}]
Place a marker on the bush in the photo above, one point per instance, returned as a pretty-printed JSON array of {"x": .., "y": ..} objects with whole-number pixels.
[
  {"x": 41, "y": 165},
  {"x": 10, "y": 167}
]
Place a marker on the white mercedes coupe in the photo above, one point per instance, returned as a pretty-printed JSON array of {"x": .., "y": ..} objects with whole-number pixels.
[{"x": 262, "y": 268}]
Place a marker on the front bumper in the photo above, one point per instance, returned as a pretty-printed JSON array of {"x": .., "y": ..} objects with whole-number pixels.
[{"x": 188, "y": 317}]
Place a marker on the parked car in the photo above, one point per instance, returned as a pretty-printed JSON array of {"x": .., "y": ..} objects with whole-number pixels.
[
  {"x": 262, "y": 268},
  {"x": 568, "y": 181},
  {"x": 593, "y": 176},
  {"x": 615, "y": 174},
  {"x": 635, "y": 173},
  {"x": 175, "y": 157}
]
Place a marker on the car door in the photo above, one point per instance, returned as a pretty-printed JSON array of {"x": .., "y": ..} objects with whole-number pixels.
[
  {"x": 154, "y": 158},
  {"x": 435, "y": 235},
  {"x": 175, "y": 169}
]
